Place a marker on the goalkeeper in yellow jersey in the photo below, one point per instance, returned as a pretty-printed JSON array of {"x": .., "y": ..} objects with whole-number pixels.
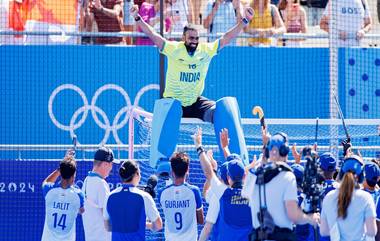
[{"x": 188, "y": 62}]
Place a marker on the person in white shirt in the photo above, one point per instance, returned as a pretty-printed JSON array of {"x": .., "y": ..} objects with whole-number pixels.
[
  {"x": 353, "y": 21},
  {"x": 348, "y": 213},
  {"x": 95, "y": 189},
  {"x": 63, "y": 202},
  {"x": 278, "y": 193}
]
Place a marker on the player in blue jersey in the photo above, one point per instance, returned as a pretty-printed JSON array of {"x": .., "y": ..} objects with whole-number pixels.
[
  {"x": 181, "y": 202},
  {"x": 371, "y": 174},
  {"x": 234, "y": 220},
  {"x": 63, "y": 202},
  {"x": 128, "y": 208}
]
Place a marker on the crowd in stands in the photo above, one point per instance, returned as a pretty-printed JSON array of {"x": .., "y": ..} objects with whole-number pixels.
[{"x": 272, "y": 18}]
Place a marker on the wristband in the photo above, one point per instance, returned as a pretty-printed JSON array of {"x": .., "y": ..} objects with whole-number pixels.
[
  {"x": 245, "y": 21},
  {"x": 200, "y": 150},
  {"x": 138, "y": 18}
]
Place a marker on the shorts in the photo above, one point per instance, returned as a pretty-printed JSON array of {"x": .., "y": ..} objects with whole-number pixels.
[{"x": 199, "y": 108}]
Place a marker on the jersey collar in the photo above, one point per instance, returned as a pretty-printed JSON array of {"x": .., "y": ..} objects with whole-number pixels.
[{"x": 94, "y": 174}]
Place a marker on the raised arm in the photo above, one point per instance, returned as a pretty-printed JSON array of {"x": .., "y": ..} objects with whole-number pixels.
[
  {"x": 234, "y": 32},
  {"x": 53, "y": 176},
  {"x": 203, "y": 158},
  {"x": 113, "y": 13},
  {"x": 157, "y": 39}
]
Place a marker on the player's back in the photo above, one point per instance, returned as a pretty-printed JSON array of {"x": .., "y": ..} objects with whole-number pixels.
[
  {"x": 180, "y": 204},
  {"x": 61, "y": 207}
]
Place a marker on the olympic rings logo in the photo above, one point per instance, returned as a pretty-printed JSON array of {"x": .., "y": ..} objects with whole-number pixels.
[{"x": 95, "y": 110}]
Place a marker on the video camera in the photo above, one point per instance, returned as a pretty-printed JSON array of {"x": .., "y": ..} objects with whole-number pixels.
[
  {"x": 312, "y": 185},
  {"x": 151, "y": 183}
]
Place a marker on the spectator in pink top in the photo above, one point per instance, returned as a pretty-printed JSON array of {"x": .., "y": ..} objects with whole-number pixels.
[{"x": 147, "y": 13}]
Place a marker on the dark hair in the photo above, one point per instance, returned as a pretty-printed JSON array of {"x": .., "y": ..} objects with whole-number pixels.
[
  {"x": 189, "y": 27},
  {"x": 346, "y": 190},
  {"x": 68, "y": 167},
  {"x": 128, "y": 170},
  {"x": 179, "y": 163}
]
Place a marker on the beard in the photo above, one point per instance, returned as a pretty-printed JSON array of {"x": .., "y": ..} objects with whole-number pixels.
[{"x": 191, "y": 48}]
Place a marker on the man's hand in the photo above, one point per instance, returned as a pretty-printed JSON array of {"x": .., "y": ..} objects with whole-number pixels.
[
  {"x": 296, "y": 154},
  {"x": 265, "y": 136},
  {"x": 197, "y": 137},
  {"x": 210, "y": 156},
  {"x": 314, "y": 219},
  {"x": 134, "y": 11},
  {"x": 224, "y": 139},
  {"x": 360, "y": 34},
  {"x": 98, "y": 4},
  {"x": 346, "y": 147},
  {"x": 249, "y": 13},
  {"x": 343, "y": 35}
]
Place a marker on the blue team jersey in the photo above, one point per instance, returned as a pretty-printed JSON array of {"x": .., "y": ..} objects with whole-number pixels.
[
  {"x": 375, "y": 195},
  {"x": 61, "y": 207},
  {"x": 179, "y": 204},
  {"x": 234, "y": 220},
  {"x": 127, "y": 209}
]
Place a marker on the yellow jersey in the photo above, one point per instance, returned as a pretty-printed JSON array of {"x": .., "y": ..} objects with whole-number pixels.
[{"x": 186, "y": 74}]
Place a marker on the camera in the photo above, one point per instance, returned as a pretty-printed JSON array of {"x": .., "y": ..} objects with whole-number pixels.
[{"x": 151, "y": 183}]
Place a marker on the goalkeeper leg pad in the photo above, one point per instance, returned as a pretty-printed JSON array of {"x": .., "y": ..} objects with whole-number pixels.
[
  {"x": 167, "y": 115},
  {"x": 227, "y": 115}
]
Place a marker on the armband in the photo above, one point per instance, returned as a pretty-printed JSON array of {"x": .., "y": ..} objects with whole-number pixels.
[{"x": 200, "y": 150}]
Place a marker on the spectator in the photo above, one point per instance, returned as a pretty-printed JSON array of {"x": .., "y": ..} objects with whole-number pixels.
[
  {"x": 220, "y": 16},
  {"x": 265, "y": 23},
  {"x": 128, "y": 208},
  {"x": 179, "y": 12},
  {"x": 315, "y": 10},
  {"x": 348, "y": 213},
  {"x": 353, "y": 21},
  {"x": 63, "y": 202},
  {"x": 108, "y": 16},
  {"x": 294, "y": 17},
  {"x": 181, "y": 202},
  {"x": 147, "y": 13},
  {"x": 128, "y": 21},
  {"x": 95, "y": 189}
]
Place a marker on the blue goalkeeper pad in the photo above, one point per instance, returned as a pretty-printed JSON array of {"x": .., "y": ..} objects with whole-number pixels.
[
  {"x": 167, "y": 116},
  {"x": 227, "y": 115}
]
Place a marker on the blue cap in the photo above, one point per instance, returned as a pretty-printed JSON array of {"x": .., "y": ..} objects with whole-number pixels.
[
  {"x": 371, "y": 171},
  {"x": 232, "y": 157},
  {"x": 163, "y": 166},
  {"x": 354, "y": 164},
  {"x": 277, "y": 140},
  {"x": 105, "y": 154},
  {"x": 235, "y": 170},
  {"x": 327, "y": 161},
  {"x": 298, "y": 170},
  {"x": 222, "y": 172}
]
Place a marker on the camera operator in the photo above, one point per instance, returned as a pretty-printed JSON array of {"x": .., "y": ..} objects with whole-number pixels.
[{"x": 272, "y": 191}]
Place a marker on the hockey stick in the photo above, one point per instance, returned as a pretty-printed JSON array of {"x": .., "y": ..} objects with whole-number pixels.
[{"x": 342, "y": 117}]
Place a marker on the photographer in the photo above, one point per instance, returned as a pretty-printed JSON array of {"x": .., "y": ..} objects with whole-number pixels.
[
  {"x": 130, "y": 200},
  {"x": 272, "y": 191}
]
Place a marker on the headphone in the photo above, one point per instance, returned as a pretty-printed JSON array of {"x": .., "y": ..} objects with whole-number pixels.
[
  {"x": 283, "y": 149},
  {"x": 353, "y": 164}
]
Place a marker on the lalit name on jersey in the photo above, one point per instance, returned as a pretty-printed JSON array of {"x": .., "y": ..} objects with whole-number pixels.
[{"x": 61, "y": 206}]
